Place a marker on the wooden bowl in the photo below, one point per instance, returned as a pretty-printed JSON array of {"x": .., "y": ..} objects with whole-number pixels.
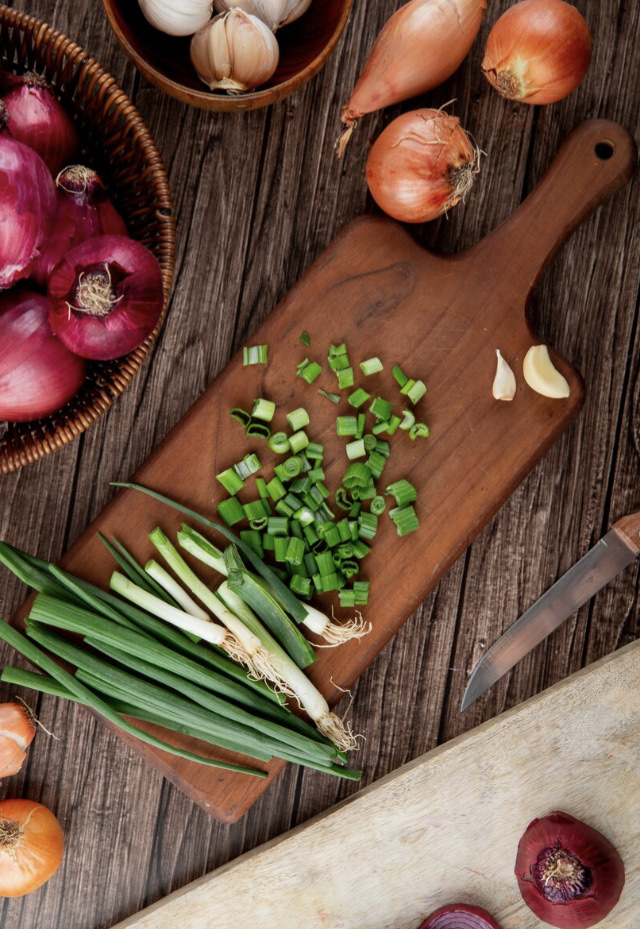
[
  {"x": 164, "y": 60},
  {"x": 118, "y": 145}
]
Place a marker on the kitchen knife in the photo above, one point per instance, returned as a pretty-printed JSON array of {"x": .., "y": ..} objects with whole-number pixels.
[{"x": 617, "y": 549}]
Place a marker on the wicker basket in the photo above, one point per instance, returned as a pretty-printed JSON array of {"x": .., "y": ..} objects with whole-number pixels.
[{"x": 118, "y": 145}]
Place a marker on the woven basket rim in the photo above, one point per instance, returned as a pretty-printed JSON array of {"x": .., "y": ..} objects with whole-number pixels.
[{"x": 48, "y": 434}]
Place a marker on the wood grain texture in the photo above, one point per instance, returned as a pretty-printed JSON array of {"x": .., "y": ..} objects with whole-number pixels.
[
  {"x": 449, "y": 819},
  {"x": 258, "y": 197}
]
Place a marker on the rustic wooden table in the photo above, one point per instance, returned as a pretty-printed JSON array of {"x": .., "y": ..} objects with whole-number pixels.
[{"x": 258, "y": 196}]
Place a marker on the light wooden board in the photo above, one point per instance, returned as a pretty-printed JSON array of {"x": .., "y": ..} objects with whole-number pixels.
[{"x": 445, "y": 827}]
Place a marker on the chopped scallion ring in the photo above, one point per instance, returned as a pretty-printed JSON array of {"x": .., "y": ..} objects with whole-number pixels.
[
  {"x": 371, "y": 366},
  {"x": 298, "y": 419},
  {"x": 254, "y": 355},
  {"x": 263, "y": 409}
]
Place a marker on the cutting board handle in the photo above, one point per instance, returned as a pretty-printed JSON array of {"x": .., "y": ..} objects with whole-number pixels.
[{"x": 596, "y": 159}]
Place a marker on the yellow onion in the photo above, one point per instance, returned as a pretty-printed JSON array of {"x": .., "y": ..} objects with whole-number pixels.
[
  {"x": 422, "y": 44},
  {"x": 421, "y": 165},
  {"x": 538, "y": 51}
]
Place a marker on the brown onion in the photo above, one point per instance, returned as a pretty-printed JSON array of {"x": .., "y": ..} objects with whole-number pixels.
[
  {"x": 31, "y": 846},
  {"x": 419, "y": 47},
  {"x": 459, "y": 916},
  {"x": 569, "y": 874},
  {"x": 17, "y": 729},
  {"x": 538, "y": 51},
  {"x": 421, "y": 165}
]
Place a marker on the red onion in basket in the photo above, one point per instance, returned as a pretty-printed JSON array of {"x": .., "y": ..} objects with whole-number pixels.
[
  {"x": 38, "y": 375},
  {"x": 569, "y": 874},
  {"x": 459, "y": 916},
  {"x": 38, "y": 119},
  {"x": 27, "y": 205},
  {"x": 106, "y": 296},
  {"x": 83, "y": 211}
]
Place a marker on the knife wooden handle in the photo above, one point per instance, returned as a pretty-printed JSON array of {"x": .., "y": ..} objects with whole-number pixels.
[{"x": 628, "y": 528}]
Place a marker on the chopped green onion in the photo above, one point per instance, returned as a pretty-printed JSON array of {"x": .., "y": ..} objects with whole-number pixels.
[
  {"x": 408, "y": 419},
  {"x": 231, "y": 510},
  {"x": 414, "y": 390},
  {"x": 381, "y": 426},
  {"x": 242, "y": 416},
  {"x": 399, "y": 375},
  {"x": 308, "y": 370},
  {"x": 254, "y": 355},
  {"x": 378, "y": 505},
  {"x": 248, "y": 466},
  {"x": 405, "y": 519},
  {"x": 254, "y": 510},
  {"x": 263, "y": 409},
  {"x": 298, "y": 441},
  {"x": 347, "y": 597},
  {"x": 375, "y": 463},
  {"x": 362, "y": 421},
  {"x": 419, "y": 430},
  {"x": 345, "y": 378},
  {"x": 298, "y": 419},
  {"x": 279, "y": 443},
  {"x": 276, "y": 489},
  {"x": 402, "y": 491},
  {"x": 305, "y": 338},
  {"x": 261, "y": 487},
  {"x": 394, "y": 422},
  {"x": 301, "y": 586},
  {"x": 357, "y": 475},
  {"x": 335, "y": 398},
  {"x": 380, "y": 408},
  {"x": 314, "y": 451},
  {"x": 230, "y": 480},
  {"x": 295, "y": 551},
  {"x": 358, "y": 397},
  {"x": 259, "y": 428},
  {"x": 356, "y": 449},
  {"x": 371, "y": 366},
  {"x": 346, "y": 425}
]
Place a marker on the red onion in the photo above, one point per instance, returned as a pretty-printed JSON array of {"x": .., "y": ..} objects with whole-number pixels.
[
  {"x": 83, "y": 211},
  {"x": 106, "y": 296},
  {"x": 27, "y": 205},
  {"x": 38, "y": 119},
  {"x": 459, "y": 916},
  {"x": 38, "y": 375},
  {"x": 569, "y": 874}
]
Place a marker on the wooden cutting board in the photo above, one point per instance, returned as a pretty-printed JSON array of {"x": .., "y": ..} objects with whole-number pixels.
[
  {"x": 445, "y": 828},
  {"x": 441, "y": 318}
]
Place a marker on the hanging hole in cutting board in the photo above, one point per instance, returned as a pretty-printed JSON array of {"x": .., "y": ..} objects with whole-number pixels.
[{"x": 604, "y": 150}]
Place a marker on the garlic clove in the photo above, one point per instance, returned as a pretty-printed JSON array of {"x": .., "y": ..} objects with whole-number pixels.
[
  {"x": 504, "y": 383},
  {"x": 235, "y": 51},
  {"x": 541, "y": 375},
  {"x": 184, "y": 18},
  {"x": 275, "y": 13}
]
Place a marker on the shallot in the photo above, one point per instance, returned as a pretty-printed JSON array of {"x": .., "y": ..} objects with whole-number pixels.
[
  {"x": 421, "y": 165},
  {"x": 538, "y": 51},
  {"x": 31, "y": 846},
  {"x": 17, "y": 729},
  {"x": 27, "y": 205},
  {"x": 39, "y": 120},
  {"x": 83, "y": 211},
  {"x": 422, "y": 44},
  {"x": 107, "y": 297},
  {"x": 38, "y": 375}
]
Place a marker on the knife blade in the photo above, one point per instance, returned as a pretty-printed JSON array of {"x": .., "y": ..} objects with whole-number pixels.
[{"x": 614, "y": 552}]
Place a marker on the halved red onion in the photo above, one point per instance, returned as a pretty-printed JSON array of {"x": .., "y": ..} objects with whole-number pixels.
[
  {"x": 569, "y": 874},
  {"x": 107, "y": 297},
  {"x": 83, "y": 210},
  {"x": 38, "y": 375},
  {"x": 38, "y": 119},
  {"x": 459, "y": 916},
  {"x": 27, "y": 205}
]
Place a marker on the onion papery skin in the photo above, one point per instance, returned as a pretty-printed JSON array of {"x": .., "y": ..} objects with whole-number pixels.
[
  {"x": 31, "y": 846},
  {"x": 538, "y": 51},
  {"x": 418, "y": 48},
  {"x": 17, "y": 729},
  {"x": 421, "y": 165},
  {"x": 27, "y": 206},
  {"x": 38, "y": 375},
  {"x": 38, "y": 119},
  {"x": 459, "y": 916},
  {"x": 83, "y": 210},
  {"x": 602, "y": 887},
  {"x": 136, "y": 299}
]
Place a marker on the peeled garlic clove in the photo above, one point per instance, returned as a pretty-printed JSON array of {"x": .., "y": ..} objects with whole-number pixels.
[
  {"x": 235, "y": 51},
  {"x": 274, "y": 13},
  {"x": 504, "y": 383},
  {"x": 541, "y": 375},
  {"x": 182, "y": 18}
]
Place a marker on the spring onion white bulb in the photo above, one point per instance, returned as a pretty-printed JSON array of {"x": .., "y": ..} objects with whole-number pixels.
[
  {"x": 235, "y": 51},
  {"x": 177, "y": 17},
  {"x": 275, "y": 13}
]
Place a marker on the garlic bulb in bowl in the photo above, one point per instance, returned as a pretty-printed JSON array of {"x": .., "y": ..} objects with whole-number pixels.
[
  {"x": 275, "y": 13},
  {"x": 177, "y": 17},
  {"x": 235, "y": 51}
]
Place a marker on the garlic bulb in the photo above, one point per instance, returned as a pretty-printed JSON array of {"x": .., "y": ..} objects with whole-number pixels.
[
  {"x": 504, "y": 383},
  {"x": 235, "y": 51},
  {"x": 541, "y": 374},
  {"x": 274, "y": 13},
  {"x": 177, "y": 17}
]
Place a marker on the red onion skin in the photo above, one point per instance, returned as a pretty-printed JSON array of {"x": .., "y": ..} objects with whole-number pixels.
[
  {"x": 138, "y": 281},
  {"x": 38, "y": 119},
  {"x": 594, "y": 851},
  {"x": 38, "y": 375},
  {"x": 459, "y": 916},
  {"x": 548, "y": 44},
  {"x": 80, "y": 215},
  {"x": 27, "y": 207}
]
